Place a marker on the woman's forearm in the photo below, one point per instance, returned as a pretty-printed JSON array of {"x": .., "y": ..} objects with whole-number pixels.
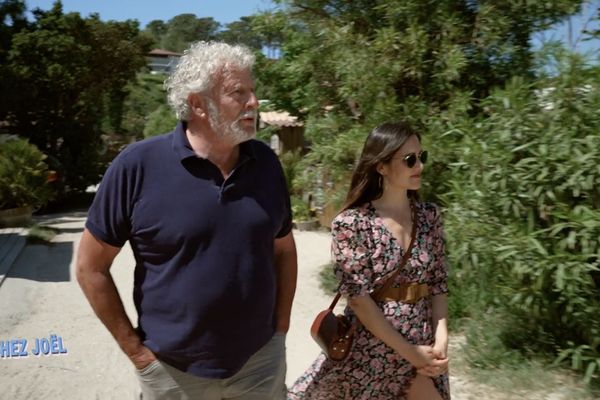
[{"x": 440, "y": 317}]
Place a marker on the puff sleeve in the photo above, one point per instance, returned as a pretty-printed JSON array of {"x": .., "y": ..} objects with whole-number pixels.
[{"x": 350, "y": 250}]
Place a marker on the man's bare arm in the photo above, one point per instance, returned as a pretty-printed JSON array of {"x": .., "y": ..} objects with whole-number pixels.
[
  {"x": 94, "y": 259},
  {"x": 286, "y": 264}
]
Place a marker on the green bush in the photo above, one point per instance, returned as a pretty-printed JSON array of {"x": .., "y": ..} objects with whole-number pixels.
[
  {"x": 300, "y": 209},
  {"x": 161, "y": 120},
  {"x": 289, "y": 163},
  {"x": 327, "y": 279},
  {"x": 264, "y": 134},
  {"x": 146, "y": 94},
  {"x": 23, "y": 175},
  {"x": 522, "y": 196}
]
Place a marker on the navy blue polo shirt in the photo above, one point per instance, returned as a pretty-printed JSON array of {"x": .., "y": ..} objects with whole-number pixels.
[{"x": 205, "y": 283}]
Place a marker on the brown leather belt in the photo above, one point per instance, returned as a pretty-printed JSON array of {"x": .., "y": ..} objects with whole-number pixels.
[{"x": 406, "y": 293}]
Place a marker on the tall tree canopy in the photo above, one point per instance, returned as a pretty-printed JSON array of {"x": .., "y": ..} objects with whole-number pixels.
[
  {"x": 350, "y": 65},
  {"x": 181, "y": 30},
  {"x": 242, "y": 32},
  {"x": 376, "y": 50},
  {"x": 12, "y": 20},
  {"x": 64, "y": 75}
]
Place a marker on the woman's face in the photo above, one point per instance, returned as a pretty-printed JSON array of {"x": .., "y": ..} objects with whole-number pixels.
[{"x": 396, "y": 172}]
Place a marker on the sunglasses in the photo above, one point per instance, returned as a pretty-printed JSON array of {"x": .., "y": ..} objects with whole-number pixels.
[{"x": 411, "y": 159}]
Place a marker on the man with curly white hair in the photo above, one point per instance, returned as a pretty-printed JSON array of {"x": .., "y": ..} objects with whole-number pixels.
[{"x": 207, "y": 213}]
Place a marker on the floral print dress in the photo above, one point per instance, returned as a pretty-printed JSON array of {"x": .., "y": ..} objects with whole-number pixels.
[{"x": 364, "y": 254}]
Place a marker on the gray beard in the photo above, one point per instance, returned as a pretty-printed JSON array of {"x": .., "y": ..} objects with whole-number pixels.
[{"x": 232, "y": 132}]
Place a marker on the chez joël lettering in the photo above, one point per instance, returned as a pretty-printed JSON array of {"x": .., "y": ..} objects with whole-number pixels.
[{"x": 15, "y": 348}]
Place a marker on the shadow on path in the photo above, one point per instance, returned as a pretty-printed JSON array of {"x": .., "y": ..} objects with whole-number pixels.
[
  {"x": 61, "y": 218},
  {"x": 50, "y": 262},
  {"x": 44, "y": 263}
]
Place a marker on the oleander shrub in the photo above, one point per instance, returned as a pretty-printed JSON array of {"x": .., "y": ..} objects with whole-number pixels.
[
  {"x": 23, "y": 175},
  {"x": 161, "y": 120},
  {"x": 522, "y": 211}
]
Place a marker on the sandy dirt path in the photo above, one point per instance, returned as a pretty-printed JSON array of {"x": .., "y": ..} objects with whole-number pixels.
[{"x": 41, "y": 298}]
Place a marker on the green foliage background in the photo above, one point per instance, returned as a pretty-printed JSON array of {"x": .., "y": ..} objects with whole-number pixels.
[
  {"x": 64, "y": 79},
  {"x": 522, "y": 217},
  {"x": 23, "y": 175},
  {"x": 160, "y": 121},
  {"x": 514, "y": 151}
]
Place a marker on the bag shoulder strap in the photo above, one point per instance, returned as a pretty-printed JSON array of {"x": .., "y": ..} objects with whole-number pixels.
[
  {"x": 335, "y": 299},
  {"x": 389, "y": 281}
]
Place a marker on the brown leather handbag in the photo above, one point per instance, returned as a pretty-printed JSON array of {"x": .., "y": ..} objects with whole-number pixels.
[{"x": 335, "y": 333}]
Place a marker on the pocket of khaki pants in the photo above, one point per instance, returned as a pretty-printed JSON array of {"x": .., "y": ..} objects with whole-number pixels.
[{"x": 148, "y": 369}]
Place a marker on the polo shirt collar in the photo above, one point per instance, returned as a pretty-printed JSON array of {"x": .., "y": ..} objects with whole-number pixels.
[{"x": 183, "y": 148}]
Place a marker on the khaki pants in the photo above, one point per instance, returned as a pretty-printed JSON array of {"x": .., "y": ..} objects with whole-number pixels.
[{"x": 261, "y": 378}]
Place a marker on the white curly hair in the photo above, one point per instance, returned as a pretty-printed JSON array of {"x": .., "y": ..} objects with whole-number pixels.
[{"x": 196, "y": 69}]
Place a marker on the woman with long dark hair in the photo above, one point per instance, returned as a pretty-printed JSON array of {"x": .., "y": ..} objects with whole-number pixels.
[{"x": 401, "y": 341}]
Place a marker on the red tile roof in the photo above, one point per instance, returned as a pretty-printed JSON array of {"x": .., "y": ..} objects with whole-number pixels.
[
  {"x": 279, "y": 118},
  {"x": 163, "y": 53}
]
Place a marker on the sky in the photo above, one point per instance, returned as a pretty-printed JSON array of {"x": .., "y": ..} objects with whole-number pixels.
[
  {"x": 223, "y": 11},
  {"x": 584, "y": 20}
]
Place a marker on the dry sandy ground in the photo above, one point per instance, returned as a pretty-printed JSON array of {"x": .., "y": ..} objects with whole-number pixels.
[{"x": 40, "y": 297}]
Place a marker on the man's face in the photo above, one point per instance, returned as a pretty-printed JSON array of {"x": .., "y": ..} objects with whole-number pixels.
[{"x": 232, "y": 106}]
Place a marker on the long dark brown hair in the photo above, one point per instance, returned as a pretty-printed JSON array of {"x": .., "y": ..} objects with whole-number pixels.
[{"x": 381, "y": 145}]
